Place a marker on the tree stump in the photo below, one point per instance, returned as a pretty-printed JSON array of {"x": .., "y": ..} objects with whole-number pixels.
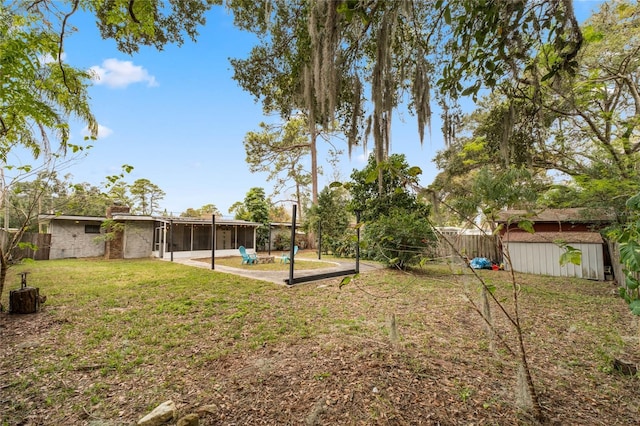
[{"x": 24, "y": 301}]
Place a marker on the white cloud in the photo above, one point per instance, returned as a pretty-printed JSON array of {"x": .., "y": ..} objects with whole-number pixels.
[
  {"x": 103, "y": 131},
  {"x": 364, "y": 157},
  {"x": 48, "y": 59},
  {"x": 115, "y": 73}
]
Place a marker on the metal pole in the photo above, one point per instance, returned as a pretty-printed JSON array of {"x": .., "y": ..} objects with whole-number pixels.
[
  {"x": 319, "y": 240},
  {"x": 171, "y": 238},
  {"x": 269, "y": 249},
  {"x": 213, "y": 241},
  {"x": 293, "y": 243},
  {"x": 358, "y": 242}
]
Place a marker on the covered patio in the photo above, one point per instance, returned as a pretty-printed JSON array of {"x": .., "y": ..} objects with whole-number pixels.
[{"x": 194, "y": 237}]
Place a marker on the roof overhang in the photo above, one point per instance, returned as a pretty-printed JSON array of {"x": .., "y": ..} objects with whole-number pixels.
[
  {"x": 574, "y": 215},
  {"x": 138, "y": 218},
  {"x": 50, "y": 217}
]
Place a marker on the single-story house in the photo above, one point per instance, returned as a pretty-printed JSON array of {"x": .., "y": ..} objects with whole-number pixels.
[
  {"x": 145, "y": 236},
  {"x": 539, "y": 252}
]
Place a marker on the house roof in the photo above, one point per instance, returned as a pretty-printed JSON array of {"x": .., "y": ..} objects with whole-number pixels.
[
  {"x": 557, "y": 215},
  {"x": 551, "y": 237},
  {"x": 47, "y": 217},
  {"x": 131, "y": 217},
  {"x": 202, "y": 221}
]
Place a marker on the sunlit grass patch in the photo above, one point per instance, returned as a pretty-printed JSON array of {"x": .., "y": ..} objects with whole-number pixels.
[{"x": 277, "y": 265}]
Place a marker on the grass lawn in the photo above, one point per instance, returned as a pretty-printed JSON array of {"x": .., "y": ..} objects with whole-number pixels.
[
  {"x": 117, "y": 338},
  {"x": 300, "y": 263}
]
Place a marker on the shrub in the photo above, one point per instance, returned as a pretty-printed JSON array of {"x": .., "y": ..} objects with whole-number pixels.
[{"x": 398, "y": 239}]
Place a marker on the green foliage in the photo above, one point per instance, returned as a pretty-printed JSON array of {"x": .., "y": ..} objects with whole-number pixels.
[
  {"x": 571, "y": 255},
  {"x": 111, "y": 229},
  {"x": 39, "y": 93},
  {"x": 282, "y": 241},
  {"x": 630, "y": 254},
  {"x": 397, "y": 190},
  {"x": 628, "y": 238},
  {"x": 582, "y": 129},
  {"x": 343, "y": 246},
  {"x": 254, "y": 208},
  {"x": 149, "y": 23},
  {"x": 331, "y": 213},
  {"x": 205, "y": 211},
  {"x": 145, "y": 196},
  {"x": 526, "y": 225},
  {"x": 399, "y": 239},
  {"x": 281, "y": 152},
  {"x": 396, "y": 229}
]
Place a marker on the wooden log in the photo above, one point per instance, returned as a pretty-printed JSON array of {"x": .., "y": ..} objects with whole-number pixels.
[{"x": 24, "y": 301}]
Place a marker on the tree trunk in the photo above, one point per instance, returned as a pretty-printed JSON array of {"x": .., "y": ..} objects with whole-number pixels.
[
  {"x": 24, "y": 301},
  {"x": 299, "y": 202},
  {"x": 314, "y": 165},
  {"x": 4, "y": 266}
]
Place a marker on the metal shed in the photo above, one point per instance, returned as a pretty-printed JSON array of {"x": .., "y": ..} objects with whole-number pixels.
[{"x": 539, "y": 253}]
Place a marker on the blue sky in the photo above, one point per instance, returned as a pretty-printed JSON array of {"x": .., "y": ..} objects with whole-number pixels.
[{"x": 179, "y": 118}]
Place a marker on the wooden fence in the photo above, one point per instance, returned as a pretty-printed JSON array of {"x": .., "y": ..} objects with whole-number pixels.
[
  {"x": 468, "y": 245},
  {"x": 38, "y": 249},
  {"x": 618, "y": 274}
]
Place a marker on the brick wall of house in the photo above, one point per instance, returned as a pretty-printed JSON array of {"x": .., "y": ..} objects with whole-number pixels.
[{"x": 115, "y": 246}]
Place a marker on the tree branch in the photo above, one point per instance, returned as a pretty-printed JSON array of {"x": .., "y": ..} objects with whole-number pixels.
[
  {"x": 61, "y": 45},
  {"x": 131, "y": 13}
]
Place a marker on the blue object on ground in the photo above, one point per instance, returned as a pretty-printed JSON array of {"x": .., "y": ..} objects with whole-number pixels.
[{"x": 480, "y": 263}]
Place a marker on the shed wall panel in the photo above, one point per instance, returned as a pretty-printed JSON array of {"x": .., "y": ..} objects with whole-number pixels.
[{"x": 544, "y": 259}]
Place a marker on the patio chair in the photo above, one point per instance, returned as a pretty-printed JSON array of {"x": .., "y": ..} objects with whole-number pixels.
[
  {"x": 248, "y": 258},
  {"x": 285, "y": 256}
]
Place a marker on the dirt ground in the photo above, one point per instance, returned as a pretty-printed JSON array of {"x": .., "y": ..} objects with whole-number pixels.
[{"x": 344, "y": 379}]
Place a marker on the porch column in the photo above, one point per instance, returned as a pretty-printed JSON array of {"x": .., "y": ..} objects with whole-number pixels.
[{"x": 191, "y": 245}]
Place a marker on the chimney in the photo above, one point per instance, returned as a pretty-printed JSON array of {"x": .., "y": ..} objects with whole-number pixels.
[
  {"x": 115, "y": 245},
  {"x": 117, "y": 209}
]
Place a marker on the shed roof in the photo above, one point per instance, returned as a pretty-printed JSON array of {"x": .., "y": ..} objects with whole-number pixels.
[
  {"x": 551, "y": 237},
  {"x": 582, "y": 215}
]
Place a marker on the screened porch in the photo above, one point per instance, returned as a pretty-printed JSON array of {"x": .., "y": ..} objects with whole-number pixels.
[{"x": 186, "y": 238}]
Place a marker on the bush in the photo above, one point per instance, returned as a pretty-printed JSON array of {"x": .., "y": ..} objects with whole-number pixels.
[
  {"x": 344, "y": 246},
  {"x": 399, "y": 239}
]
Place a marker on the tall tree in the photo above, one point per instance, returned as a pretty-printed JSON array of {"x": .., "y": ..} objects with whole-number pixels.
[
  {"x": 400, "y": 187},
  {"x": 130, "y": 24},
  {"x": 280, "y": 151},
  {"x": 584, "y": 128},
  {"x": 479, "y": 175},
  {"x": 205, "y": 211},
  {"x": 278, "y": 213},
  {"x": 39, "y": 96},
  {"x": 146, "y": 197},
  {"x": 331, "y": 214},
  {"x": 329, "y": 51},
  {"x": 53, "y": 196},
  {"x": 397, "y": 230},
  {"x": 254, "y": 208}
]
